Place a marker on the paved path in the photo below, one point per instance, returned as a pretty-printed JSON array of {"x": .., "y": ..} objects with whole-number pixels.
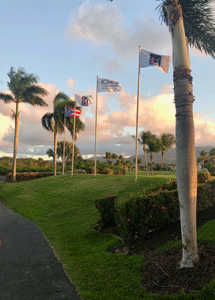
[{"x": 29, "y": 270}]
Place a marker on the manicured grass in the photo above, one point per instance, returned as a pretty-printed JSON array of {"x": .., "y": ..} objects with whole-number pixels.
[{"x": 63, "y": 207}]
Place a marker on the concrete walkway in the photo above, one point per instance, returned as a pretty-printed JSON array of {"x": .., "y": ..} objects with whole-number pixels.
[{"x": 29, "y": 270}]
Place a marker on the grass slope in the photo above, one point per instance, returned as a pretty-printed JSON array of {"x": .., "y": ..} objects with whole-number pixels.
[{"x": 63, "y": 207}]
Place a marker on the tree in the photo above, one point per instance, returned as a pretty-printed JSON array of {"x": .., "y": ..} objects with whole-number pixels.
[
  {"x": 113, "y": 156},
  {"x": 23, "y": 88},
  {"x": 190, "y": 22},
  {"x": 212, "y": 155},
  {"x": 154, "y": 146},
  {"x": 121, "y": 160},
  {"x": 107, "y": 156},
  {"x": 55, "y": 121},
  {"x": 68, "y": 151},
  {"x": 167, "y": 140},
  {"x": 203, "y": 157},
  {"x": 144, "y": 138}
]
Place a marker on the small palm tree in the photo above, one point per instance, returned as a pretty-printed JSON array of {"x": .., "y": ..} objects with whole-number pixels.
[
  {"x": 167, "y": 140},
  {"x": 55, "y": 121},
  {"x": 144, "y": 138},
  {"x": 154, "y": 146},
  {"x": 68, "y": 151},
  {"x": 203, "y": 156},
  {"x": 212, "y": 154},
  {"x": 107, "y": 156},
  {"x": 23, "y": 88},
  {"x": 121, "y": 160},
  {"x": 113, "y": 156}
]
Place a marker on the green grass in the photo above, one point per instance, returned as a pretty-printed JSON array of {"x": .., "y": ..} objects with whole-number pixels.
[{"x": 63, "y": 207}]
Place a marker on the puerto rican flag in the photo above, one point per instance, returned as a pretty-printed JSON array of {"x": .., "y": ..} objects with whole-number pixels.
[{"x": 70, "y": 112}]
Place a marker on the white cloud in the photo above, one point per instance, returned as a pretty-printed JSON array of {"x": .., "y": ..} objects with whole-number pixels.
[
  {"x": 156, "y": 114},
  {"x": 101, "y": 24}
]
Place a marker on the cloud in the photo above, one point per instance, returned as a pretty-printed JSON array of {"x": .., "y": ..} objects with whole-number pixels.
[
  {"x": 102, "y": 24},
  {"x": 70, "y": 84},
  {"x": 156, "y": 114}
]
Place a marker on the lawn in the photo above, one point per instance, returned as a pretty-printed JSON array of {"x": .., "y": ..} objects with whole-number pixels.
[{"x": 63, "y": 207}]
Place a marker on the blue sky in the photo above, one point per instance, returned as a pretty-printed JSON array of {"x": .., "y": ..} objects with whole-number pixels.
[{"x": 79, "y": 40}]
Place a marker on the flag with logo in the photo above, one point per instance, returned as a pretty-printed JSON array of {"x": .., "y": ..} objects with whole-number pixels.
[
  {"x": 148, "y": 59},
  {"x": 84, "y": 100},
  {"x": 107, "y": 85},
  {"x": 71, "y": 112}
]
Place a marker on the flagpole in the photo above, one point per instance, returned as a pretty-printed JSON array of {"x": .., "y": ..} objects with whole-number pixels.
[
  {"x": 96, "y": 125},
  {"x": 73, "y": 145},
  {"x": 137, "y": 117},
  {"x": 64, "y": 138}
]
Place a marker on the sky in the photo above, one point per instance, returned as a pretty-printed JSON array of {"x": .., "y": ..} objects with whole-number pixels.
[{"x": 68, "y": 44}]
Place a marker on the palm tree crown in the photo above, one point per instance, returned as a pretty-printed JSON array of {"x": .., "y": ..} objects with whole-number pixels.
[
  {"x": 23, "y": 88},
  {"x": 199, "y": 23}
]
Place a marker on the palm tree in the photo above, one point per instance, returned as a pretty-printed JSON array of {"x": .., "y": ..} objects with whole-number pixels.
[
  {"x": 68, "y": 151},
  {"x": 23, "y": 88},
  {"x": 212, "y": 154},
  {"x": 154, "y": 146},
  {"x": 167, "y": 140},
  {"x": 144, "y": 138},
  {"x": 113, "y": 156},
  {"x": 203, "y": 157},
  {"x": 55, "y": 121},
  {"x": 190, "y": 22},
  {"x": 121, "y": 160},
  {"x": 107, "y": 156}
]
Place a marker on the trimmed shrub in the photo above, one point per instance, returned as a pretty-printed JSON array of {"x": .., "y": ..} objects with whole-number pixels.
[
  {"x": 28, "y": 176},
  {"x": 107, "y": 209},
  {"x": 203, "y": 176}
]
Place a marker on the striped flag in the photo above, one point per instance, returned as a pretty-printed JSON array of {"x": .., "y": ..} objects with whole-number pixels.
[{"x": 70, "y": 112}]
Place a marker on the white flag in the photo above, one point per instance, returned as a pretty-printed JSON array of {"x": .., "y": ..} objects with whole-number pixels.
[
  {"x": 148, "y": 59},
  {"x": 84, "y": 100},
  {"x": 107, "y": 85}
]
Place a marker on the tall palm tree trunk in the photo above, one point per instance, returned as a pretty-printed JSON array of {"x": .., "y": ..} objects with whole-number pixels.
[
  {"x": 15, "y": 142},
  {"x": 55, "y": 153},
  {"x": 186, "y": 169},
  {"x": 162, "y": 156},
  {"x": 151, "y": 157},
  {"x": 144, "y": 149}
]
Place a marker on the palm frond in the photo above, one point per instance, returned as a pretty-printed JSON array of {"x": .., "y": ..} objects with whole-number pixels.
[
  {"x": 32, "y": 94},
  {"x": 199, "y": 23},
  {"x": 61, "y": 97},
  {"x": 6, "y": 98},
  {"x": 48, "y": 121}
]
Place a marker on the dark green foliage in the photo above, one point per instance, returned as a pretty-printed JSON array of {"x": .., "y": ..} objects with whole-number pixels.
[
  {"x": 107, "y": 210},
  {"x": 203, "y": 176},
  {"x": 155, "y": 208}
]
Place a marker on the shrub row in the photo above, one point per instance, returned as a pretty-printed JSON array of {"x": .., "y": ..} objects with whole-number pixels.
[
  {"x": 152, "y": 210},
  {"x": 28, "y": 176}
]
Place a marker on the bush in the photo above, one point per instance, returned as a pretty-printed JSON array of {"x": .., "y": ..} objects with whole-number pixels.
[
  {"x": 158, "y": 208},
  {"x": 107, "y": 210},
  {"x": 25, "y": 176},
  {"x": 137, "y": 216},
  {"x": 203, "y": 176}
]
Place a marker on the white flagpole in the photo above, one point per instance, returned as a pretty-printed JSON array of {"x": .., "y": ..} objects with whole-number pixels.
[
  {"x": 73, "y": 145},
  {"x": 96, "y": 126},
  {"x": 64, "y": 138},
  {"x": 137, "y": 118}
]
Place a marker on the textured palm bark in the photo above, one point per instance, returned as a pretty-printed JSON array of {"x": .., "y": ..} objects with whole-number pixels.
[
  {"x": 162, "y": 156},
  {"x": 186, "y": 169},
  {"x": 55, "y": 153},
  {"x": 15, "y": 142}
]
